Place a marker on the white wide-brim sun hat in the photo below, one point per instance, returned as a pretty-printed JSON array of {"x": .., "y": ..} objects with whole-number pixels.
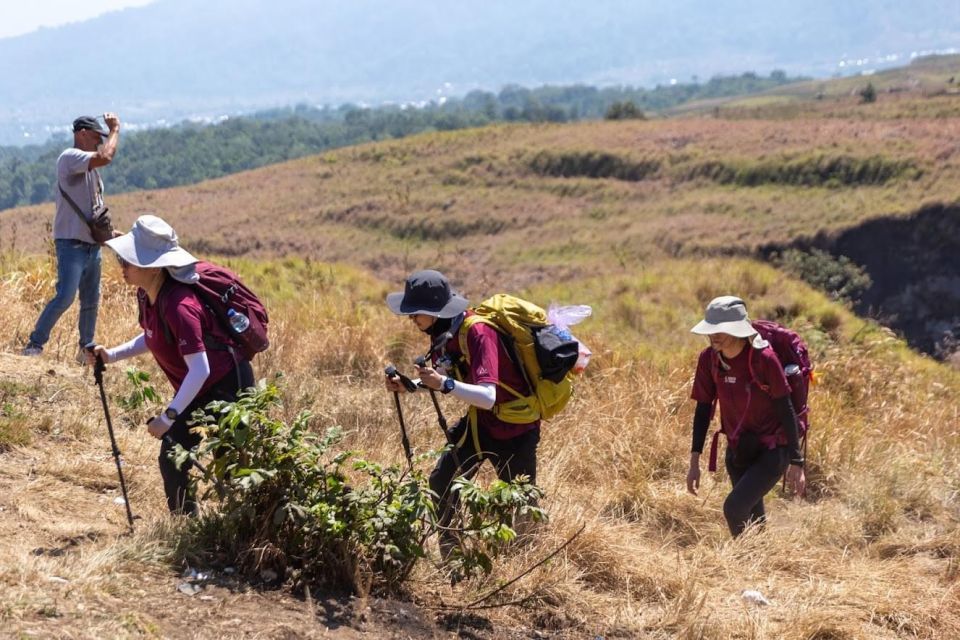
[
  {"x": 151, "y": 243},
  {"x": 728, "y": 314}
]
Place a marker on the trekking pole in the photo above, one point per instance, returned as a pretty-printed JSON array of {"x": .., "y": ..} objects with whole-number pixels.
[
  {"x": 390, "y": 372},
  {"x": 441, "y": 419},
  {"x": 98, "y": 369}
]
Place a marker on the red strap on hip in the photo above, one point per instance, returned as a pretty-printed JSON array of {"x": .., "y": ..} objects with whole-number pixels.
[{"x": 713, "y": 451}]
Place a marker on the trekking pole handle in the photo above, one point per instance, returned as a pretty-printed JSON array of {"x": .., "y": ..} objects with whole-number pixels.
[
  {"x": 391, "y": 371},
  {"x": 99, "y": 366}
]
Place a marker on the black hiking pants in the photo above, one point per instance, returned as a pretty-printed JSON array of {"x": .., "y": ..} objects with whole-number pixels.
[
  {"x": 751, "y": 482},
  {"x": 510, "y": 458},
  {"x": 175, "y": 481}
]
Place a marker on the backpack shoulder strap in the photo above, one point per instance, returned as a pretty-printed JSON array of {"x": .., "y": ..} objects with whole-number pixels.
[
  {"x": 161, "y": 298},
  {"x": 471, "y": 320},
  {"x": 753, "y": 376},
  {"x": 468, "y": 322}
]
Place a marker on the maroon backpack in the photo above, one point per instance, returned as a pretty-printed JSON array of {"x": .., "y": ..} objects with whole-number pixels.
[
  {"x": 220, "y": 290},
  {"x": 794, "y": 357}
]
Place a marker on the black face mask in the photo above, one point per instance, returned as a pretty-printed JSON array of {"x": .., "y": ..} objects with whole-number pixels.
[{"x": 440, "y": 327}]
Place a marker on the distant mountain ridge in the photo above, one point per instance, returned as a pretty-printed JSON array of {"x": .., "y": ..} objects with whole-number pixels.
[{"x": 179, "y": 57}]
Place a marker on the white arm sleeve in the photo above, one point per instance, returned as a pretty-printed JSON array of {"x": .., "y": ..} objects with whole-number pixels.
[
  {"x": 479, "y": 395},
  {"x": 129, "y": 349},
  {"x": 198, "y": 370}
]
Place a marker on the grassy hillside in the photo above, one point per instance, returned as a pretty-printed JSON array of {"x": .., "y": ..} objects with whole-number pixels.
[
  {"x": 525, "y": 203},
  {"x": 646, "y": 221},
  {"x": 929, "y": 87}
]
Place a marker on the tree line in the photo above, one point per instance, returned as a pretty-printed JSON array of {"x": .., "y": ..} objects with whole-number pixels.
[{"x": 189, "y": 153}]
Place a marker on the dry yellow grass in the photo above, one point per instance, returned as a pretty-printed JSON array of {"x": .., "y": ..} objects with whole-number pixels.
[{"x": 872, "y": 554}]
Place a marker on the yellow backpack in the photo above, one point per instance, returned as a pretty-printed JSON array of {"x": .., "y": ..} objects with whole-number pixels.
[{"x": 545, "y": 354}]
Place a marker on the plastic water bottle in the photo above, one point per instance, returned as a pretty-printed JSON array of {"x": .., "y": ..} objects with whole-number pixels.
[{"x": 238, "y": 322}]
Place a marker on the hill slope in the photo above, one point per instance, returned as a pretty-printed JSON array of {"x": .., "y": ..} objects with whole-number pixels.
[{"x": 646, "y": 221}]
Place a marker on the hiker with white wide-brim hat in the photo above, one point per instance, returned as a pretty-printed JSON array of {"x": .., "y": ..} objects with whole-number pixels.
[
  {"x": 743, "y": 375},
  {"x": 177, "y": 329}
]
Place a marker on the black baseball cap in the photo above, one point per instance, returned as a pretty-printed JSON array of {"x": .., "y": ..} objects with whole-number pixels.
[{"x": 88, "y": 122}]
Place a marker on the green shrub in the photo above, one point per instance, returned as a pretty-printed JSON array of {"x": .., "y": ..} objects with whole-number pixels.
[
  {"x": 592, "y": 164},
  {"x": 626, "y": 110},
  {"x": 142, "y": 395},
  {"x": 288, "y": 503},
  {"x": 838, "y": 276},
  {"x": 813, "y": 171}
]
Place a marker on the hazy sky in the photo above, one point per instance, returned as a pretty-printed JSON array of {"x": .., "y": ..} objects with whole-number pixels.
[{"x": 22, "y": 17}]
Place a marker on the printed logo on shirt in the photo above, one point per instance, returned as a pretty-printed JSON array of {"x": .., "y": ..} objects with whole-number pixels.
[
  {"x": 182, "y": 342},
  {"x": 730, "y": 379},
  {"x": 482, "y": 371}
]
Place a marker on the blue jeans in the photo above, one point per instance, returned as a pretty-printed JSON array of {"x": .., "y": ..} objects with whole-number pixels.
[{"x": 78, "y": 269}]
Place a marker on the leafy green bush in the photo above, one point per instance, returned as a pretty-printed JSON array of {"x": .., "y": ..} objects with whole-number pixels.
[
  {"x": 839, "y": 276},
  {"x": 142, "y": 394},
  {"x": 625, "y": 110},
  {"x": 289, "y": 505}
]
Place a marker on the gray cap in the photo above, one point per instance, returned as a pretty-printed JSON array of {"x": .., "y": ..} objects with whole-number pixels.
[
  {"x": 88, "y": 122},
  {"x": 728, "y": 314}
]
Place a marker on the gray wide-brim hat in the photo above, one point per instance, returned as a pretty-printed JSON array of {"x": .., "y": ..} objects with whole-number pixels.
[
  {"x": 152, "y": 243},
  {"x": 427, "y": 292},
  {"x": 728, "y": 314}
]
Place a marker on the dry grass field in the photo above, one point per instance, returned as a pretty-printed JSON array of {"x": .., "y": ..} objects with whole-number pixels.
[
  {"x": 646, "y": 222},
  {"x": 872, "y": 552}
]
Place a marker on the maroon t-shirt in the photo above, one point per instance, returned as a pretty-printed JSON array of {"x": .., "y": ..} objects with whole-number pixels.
[
  {"x": 490, "y": 363},
  {"x": 188, "y": 321},
  {"x": 739, "y": 399}
]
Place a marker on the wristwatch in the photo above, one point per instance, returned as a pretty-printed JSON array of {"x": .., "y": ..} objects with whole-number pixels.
[
  {"x": 171, "y": 414},
  {"x": 448, "y": 384}
]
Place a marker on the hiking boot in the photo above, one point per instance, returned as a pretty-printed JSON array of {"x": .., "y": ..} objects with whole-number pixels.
[{"x": 31, "y": 350}]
